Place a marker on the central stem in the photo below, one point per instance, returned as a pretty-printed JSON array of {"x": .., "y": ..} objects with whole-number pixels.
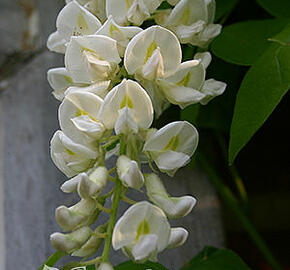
[
  {"x": 112, "y": 220},
  {"x": 115, "y": 207}
]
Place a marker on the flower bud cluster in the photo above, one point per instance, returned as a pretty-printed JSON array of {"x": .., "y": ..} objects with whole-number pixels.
[{"x": 116, "y": 77}]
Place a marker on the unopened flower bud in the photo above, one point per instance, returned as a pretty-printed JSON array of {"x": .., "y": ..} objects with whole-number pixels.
[
  {"x": 93, "y": 184},
  {"x": 174, "y": 207},
  {"x": 70, "y": 242},
  {"x": 76, "y": 216},
  {"x": 129, "y": 172},
  {"x": 178, "y": 236}
]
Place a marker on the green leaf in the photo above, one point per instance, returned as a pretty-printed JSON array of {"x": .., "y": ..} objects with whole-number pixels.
[
  {"x": 243, "y": 43},
  {"x": 278, "y": 8},
  {"x": 224, "y": 7},
  {"x": 265, "y": 84},
  {"x": 134, "y": 266},
  {"x": 53, "y": 259},
  {"x": 216, "y": 259}
]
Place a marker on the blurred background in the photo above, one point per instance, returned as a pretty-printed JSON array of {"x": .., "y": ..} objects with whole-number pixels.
[{"x": 29, "y": 182}]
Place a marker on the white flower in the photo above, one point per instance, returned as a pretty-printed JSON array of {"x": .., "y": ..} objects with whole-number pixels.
[
  {"x": 192, "y": 22},
  {"x": 153, "y": 53},
  {"x": 122, "y": 34},
  {"x": 100, "y": 89},
  {"x": 56, "y": 43},
  {"x": 129, "y": 172},
  {"x": 134, "y": 11},
  {"x": 72, "y": 241},
  {"x": 105, "y": 266},
  {"x": 73, "y": 20},
  {"x": 79, "y": 215},
  {"x": 172, "y": 146},
  {"x": 87, "y": 185},
  {"x": 173, "y": 2},
  {"x": 174, "y": 207},
  {"x": 59, "y": 80},
  {"x": 71, "y": 158},
  {"x": 97, "y": 7},
  {"x": 92, "y": 58},
  {"x": 94, "y": 184},
  {"x": 91, "y": 246},
  {"x": 188, "y": 86},
  {"x": 178, "y": 236},
  {"x": 78, "y": 117},
  {"x": 127, "y": 107},
  {"x": 211, "y": 89},
  {"x": 49, "y": 268},
  {"x": 142, "y": 232}
]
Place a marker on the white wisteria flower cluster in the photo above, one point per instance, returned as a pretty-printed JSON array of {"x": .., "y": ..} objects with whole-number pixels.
[{"x": 117, "y": 76}]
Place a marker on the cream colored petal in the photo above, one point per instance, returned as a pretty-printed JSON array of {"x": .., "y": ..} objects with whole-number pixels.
[
  {"x": 100, "y": 89},
  {"x": 173, "y": 2},
  {"x": 76, "y": 216},
  {"x": 118, "y": 9},
  {"x": 179, "y": 136},
  {"x": 178, "y": 237},
  {"x": 72, "y": 184},
  {"x": 154, "y": 67},
  {"x": 159, "y": 101},
  {"x": 59, "y": 80},
  {"x": 69, "y": 242},
  {"x": 74, "y": 20},
  {"x": 71, "y": 158},
  {"x": 211, "y": 89},
  {"x": 132, "y": 95},
  {"x": 142, "y": 46},
  {"x": 56, "y": 43},
  {"x": 206, "y": 35},
  {"x": 125, "y": 231},
  {"x": 204, "y": 58},
  {"x": 186, "y": 33},
  {"x": 49, "y": 268},
  {"x": 129, "y": 172},
  {"x": 119, "y": 33},
  {"x": 171, "y": 160},
  {"x": 94, "y": 184},
  {"x": 138, "y": 12},
  {"x": 105, "y": 266},
  {"x": 180, "y": 95},
  {"x": 187, "y": 12},
  {"x": 88, "y": 126},
  {"x": 78, "y": 116},
  {"x": 87, "y": 57},
  {"x": 126, "y": 122},
  {"x": 175, "y": 207},
  {"x": 145, "y": 248}
]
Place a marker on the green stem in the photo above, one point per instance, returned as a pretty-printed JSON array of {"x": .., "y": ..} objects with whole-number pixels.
[
  {"x": 234, "y": 172},
  {"x": 52, "y": 260},
  {"x": 112, "y": 220},
  {"x": 232, "y": 202},
  {"x": 114, "y": 209}
]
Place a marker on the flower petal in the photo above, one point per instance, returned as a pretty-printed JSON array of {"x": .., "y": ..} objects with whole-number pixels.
[
  {"x": 74, "y": 20},
  {"x": 178, "y": 236},
  {"x": 59, "y": 80},
  {"x": 126, "y": 229},
  {"x": 56, "y": 43},
  {"x": 142, "y": 46},
  {"x": 91, "y": 58},
  {"x": 129, "y": 172},
  {"x": 211, "y": 89},
  {"x": 130, "y": 94}
]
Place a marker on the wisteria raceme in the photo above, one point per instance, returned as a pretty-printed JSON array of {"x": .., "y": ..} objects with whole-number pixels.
[{"x": 118, "y": 74}]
